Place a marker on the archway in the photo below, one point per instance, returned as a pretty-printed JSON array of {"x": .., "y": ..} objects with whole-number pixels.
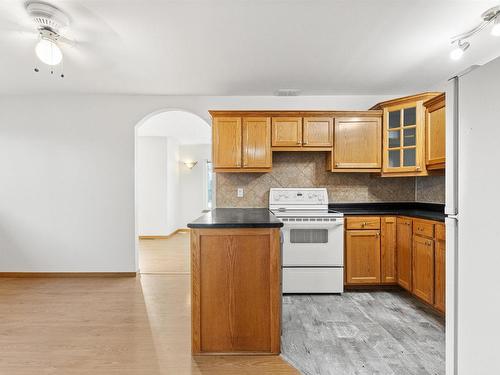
[{"x": 173, "y": 185}]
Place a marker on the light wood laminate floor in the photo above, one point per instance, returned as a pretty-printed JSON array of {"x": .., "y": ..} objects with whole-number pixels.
[
  {"x": 165, "y": 255},
  {"x": 362, "y": 333},
  {"x": 110, "y": 326}
]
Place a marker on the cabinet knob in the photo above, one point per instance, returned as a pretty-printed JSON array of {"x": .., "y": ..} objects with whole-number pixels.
[
  {"x": 305, "y": 143},
  {"x": 299, "y": 142}
]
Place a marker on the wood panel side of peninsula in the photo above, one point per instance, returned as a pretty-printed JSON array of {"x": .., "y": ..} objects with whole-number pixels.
[{"x": 236, "y": 291}]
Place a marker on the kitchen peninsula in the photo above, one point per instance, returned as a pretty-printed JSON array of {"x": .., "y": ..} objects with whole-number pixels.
[{"x": 235, "y": 282}]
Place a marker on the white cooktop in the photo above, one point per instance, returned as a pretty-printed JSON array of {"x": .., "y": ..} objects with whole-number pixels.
[{"x": 300, "y": 202}]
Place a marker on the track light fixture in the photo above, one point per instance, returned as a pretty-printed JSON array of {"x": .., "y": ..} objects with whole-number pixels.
[{"x": 459, "y": 42}]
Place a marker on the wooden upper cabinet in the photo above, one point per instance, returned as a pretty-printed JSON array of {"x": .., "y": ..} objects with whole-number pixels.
[
  {"x": 317, "y": 132},
  {"x": 226, "y": 142},
  {"x": 257, "y": 142},
  {"x": 423, "y": 268},
  {"x": 435, "y": 155},
  {"x": 287, "y": 131},
  {"x": 404, "y": 252},
  {"x": 357, "y": 144},
  {"x": 388, "y": 265},
  {"x": 362, "y": 256},
  {"x": 403, "y": 147}
]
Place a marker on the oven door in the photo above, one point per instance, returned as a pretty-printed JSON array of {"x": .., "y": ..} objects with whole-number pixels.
[{"x": 313, "y": 243}]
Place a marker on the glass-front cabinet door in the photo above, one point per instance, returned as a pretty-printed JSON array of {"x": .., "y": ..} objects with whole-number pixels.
[{"x": 403, "y": 127}]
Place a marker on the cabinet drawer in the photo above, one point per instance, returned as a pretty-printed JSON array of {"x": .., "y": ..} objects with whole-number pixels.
[
  {"x": 423, "y": 228},
  {"x": 363, "y": 222},
  {"x": 440, "y": 232}
]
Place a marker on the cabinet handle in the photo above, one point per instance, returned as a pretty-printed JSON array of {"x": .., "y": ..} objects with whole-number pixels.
[
  {"x": 378, "y": 234},
  {"x": 305, "y": 143},
  {"x": 299, "y": 142}
]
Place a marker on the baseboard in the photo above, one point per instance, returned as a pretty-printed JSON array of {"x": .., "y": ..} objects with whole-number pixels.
[
  {"x": 180, "y": 230},
  {"x": 66, "y": 274}
]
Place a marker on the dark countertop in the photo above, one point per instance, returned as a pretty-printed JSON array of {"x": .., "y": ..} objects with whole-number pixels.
[
  {"x": 429, "y": 211},
  {"x": 237, "y": 218}
]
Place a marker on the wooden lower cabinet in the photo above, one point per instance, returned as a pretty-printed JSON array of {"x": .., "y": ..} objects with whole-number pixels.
[
  {"x": 362, "y": 257},
  {"x": 388, "y": 267},
  {"x": 404, "y": 252},
  {"x": 423, "y": 268},
  {"x": 236, "y": 292},
  {"x": 439, "y": 275}
]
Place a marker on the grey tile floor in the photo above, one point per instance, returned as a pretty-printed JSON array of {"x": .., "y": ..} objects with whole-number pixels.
[{"x": 362, "y": 333}]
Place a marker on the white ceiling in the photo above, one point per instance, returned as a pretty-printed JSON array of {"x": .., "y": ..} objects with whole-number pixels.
[
  {"x": 248, "y": 47},
  {"x": 185, "y": 127}
]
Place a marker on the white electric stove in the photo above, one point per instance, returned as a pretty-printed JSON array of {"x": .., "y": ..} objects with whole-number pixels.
[{"x": 313, "y": 240}]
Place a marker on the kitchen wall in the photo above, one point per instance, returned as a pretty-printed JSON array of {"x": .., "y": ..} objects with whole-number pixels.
[
  {"x": 307, "y": 169},
  {"x": 68, "y": 179},
  {"x": 152, "y": 193},
  {"x": 173, "y": 188},
  {"x": 430, "y": 189},
  {"x": 193, "y": 182}
]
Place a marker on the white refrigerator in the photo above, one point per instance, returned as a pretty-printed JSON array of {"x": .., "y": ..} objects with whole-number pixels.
[{"x": 473, "y": 221}]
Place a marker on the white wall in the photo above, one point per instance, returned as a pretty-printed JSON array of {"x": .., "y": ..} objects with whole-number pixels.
[
  {"x": 151, "y": 174},
  {"x": 173, "y": 180},
  {"x": 67, "y": 173},
  {"x": 193, "y": 182}
]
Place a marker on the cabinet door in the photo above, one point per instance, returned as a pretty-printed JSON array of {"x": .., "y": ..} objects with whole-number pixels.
[
  {"x": 404, "y": 244},
  {"x": 256, "y": 142},
  {"x": 404, "y": 132},
  {"x": 440, "y": 275},
  {"x": 357, "y": 142},
  {"x": 436, "y": 128},
  {"x": 317, "y": 132},
  {"x": 423, "y": 268},
  {"x": 287, "y": 131},
  {"x": 226, "y": 142},
  {"x": 388, "y": 251},
  {"x": 363, "y": 257}
]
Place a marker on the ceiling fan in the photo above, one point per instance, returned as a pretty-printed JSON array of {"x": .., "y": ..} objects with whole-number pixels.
[
  {"x": 50, "y": 22},
  {"x": 84, "y": 38}
]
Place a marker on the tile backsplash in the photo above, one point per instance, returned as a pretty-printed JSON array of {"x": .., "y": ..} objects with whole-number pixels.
[
  {"x": 307, "y": 169},
  {"x": 430, "y": 189}
]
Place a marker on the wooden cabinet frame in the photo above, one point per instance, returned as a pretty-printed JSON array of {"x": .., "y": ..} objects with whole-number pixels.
[
  {"x": 352, "y": 143},
  {"x": 294, "y": 124},
  {"x": 256, "y": 146},
  {"x": 435, "y": 124},
  {"x": 308, "y": 140},
  {"x": 398, "y": 105}
]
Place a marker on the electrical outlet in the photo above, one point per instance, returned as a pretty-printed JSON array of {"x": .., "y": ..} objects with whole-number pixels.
[{"x": 239, "y": 193}]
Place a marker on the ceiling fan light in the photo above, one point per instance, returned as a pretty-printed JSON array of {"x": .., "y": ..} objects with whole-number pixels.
[
  {"x": 457, "y": 52},
  {"x": 495, "y": 30},
  {"x": 48, "y": 52}
]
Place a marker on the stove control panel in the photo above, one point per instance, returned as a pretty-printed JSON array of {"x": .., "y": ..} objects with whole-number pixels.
[{"x": 294, "y": 196}]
